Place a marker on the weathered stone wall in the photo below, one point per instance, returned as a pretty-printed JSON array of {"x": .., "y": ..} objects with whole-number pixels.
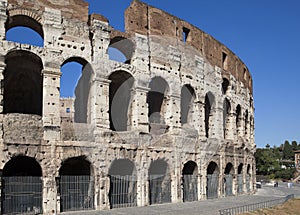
[{"x": 155, "y": 50}]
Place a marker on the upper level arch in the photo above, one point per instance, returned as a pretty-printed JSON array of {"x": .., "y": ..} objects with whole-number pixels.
[
  {"x": 209, "y": 103},
  {"x": 77, "y": 74},
  {"x": 156, "y": 99},
  {"x": 120, "y": 100},
  {"x": 20, "y": 17},
  {"x": 23, "y": 84},
  {"x": 188, "y": 97},
  {"x": 121, "y": 42}
]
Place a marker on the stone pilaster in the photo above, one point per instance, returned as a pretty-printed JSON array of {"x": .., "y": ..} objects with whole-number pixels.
[
  {"x": 172, "y": 112},
  {"x": 139, "y": 110},
  {"x": 100, "y": 115},
  {"x": 51, "y": 103},
  {"x": 3, "y": 18}
]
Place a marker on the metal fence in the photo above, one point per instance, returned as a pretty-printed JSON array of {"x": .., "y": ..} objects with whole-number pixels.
[
  {"x": 248, "y": 183},
  {"x": 160, "y": 189},
  {"x": 212, "y": 186},
  {"x": 122, "y": 191},
  {"x": 190, "y": 190},
  {"x": 240, "y": 183},
  {"x": 228, "y": 184},
  {"x": 22, "y": 194},
  {"x": 255, "y": 206},
  {"x": 76, "y": 193}
]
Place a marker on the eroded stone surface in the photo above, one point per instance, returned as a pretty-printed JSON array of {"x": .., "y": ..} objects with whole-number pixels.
[{"x": 155, "y": 121}]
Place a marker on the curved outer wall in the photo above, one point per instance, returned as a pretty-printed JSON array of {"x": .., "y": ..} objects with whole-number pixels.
[{"x": 221, "y": 132}]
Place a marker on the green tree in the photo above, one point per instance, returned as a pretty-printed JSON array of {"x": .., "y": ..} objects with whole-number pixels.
[
  {"x": 288, "y": 153},
  {"x": 294, "y": 145},
  {"x": 267, "y": 161}
]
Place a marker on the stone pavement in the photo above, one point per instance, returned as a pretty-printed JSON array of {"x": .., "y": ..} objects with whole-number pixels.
[{"x": 205, "y": 207}]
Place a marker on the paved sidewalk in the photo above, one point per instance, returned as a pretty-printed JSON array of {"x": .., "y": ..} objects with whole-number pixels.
[{"x": 205, "y": 207}]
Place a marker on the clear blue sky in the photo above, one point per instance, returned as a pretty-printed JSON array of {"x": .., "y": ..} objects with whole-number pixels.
[{"x": 265, "y": 34}]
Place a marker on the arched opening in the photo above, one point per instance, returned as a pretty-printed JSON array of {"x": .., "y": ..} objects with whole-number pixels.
[
  {"x": 240, "y": 179},
  {"x": 121, "y": 49},
  {"x": 119, "y": 100},
  {"x": 76, "y": 185},
  {"x": 23, "y": 84},
  {"x": 209, "y": 101},
  {"x": 226, "y": 117},
  {"x": 24, "y": 29},
  {"x": 123, "y": 187},
  {"x": 156, "y": 103},
  {"x": 238, "y": 119},
  {"x": 212, "y": 185},
  {"x": 159, "y": 182},
  {"x": 22, "y": 186},
  {"x": 187, "y": 101},
  {"x": 228, "y": 179},
  {"x": 248, "y": 178},
  {"x": 225, "y": 85},
  {"x": 116, "y": 55},
  {"x": 246, "y": 124},
  {"x": 190, "y": 182},
  {"x": 75, "y": 86}
]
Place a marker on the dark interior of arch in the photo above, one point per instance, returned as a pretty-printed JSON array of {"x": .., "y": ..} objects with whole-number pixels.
[
  {"x": 22, "y": 166},
  {"x": 158, "y": 167},
  {"x": 207, "y": 111},
  {"x": 155, "y": 99},
  {"x": 246, "y": 121},
  {"x": 226, "y": 110},
  {"x": 75, "y": 166},
  {"x": 229, "y": 169},
  {"x": 240, "y": 168},
  {"x": 187, "y": 98},
  {"x": 225, "y": 85},
  {"x": 122, "y": 167},
  {"x": 23, "y": 84},
  {"x": 238, "y": 115},
  {"x": 248, "y": 169},
  {"x": 24, "y": 21},
  {"x": 212, "y": 168},
  {"x": 190, "y": 168},
  {"x": 119, "y": 99}
]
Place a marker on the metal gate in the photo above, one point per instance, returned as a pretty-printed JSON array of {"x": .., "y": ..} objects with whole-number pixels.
[
  {"x": 212, "y": 186},
  {"x": 240, "y": 183},
  {"x": 22, "y": 194},
  {"x": 228, "y": 185},
  {"x": 122, "y": 191},
  {"x": 160, "y": 189},
  {"x": 76, "y": 193},
  {"x": 248, "y": 183},
  {"x": 190, "y": 189}
]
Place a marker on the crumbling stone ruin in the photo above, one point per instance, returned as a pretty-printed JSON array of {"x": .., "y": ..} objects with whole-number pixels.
[{"x": 174, "y": 122}]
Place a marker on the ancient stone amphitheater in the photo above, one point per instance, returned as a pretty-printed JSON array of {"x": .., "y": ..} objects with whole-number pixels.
[{"x": 173, "y": 122}]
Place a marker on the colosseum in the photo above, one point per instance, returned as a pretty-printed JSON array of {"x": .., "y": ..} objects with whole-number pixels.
[{"x": 173, "y": 122}]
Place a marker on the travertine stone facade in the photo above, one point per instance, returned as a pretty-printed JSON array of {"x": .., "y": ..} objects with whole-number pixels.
[{"x": 180, "y": 106}]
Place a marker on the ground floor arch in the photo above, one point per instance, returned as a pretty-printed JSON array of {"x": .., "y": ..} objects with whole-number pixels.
[
  {"x": 228, "y": 179},
  {"x": 76, "y": 185},
  {"x": 123, "y": 184},
  {"x": 22, "y": 186},
  {"x": 248, "y": 178},
  {"x": 190, "y": 181},
  {"x": 240, "y": 179},
  {"x": 212, "y": 177},
  {"x": 159, "y": 182}
]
